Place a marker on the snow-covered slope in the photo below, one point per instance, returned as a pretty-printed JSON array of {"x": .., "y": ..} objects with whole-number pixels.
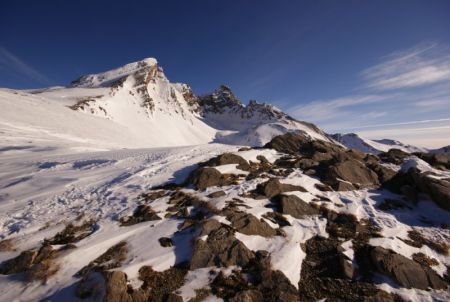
[
  {"x": 354, "y": 141},
  {"x": 136, "y": 106}
]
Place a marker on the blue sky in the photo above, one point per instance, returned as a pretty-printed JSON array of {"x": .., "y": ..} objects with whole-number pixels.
[{"x": 378, "y": 68}]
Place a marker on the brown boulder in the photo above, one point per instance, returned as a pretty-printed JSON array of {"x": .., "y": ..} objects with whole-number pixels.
[
  {"x": 250, "y": 225},
  {"x": 437, "y": 189},
  {"x": 229, "y": 158},
  {"x": 294, "y": 206},
  {"x": 203, "y": 178},
  {"x": 274, "y": 187},
  {"x": 393, "y": 156},
  {"x": 352, "y": 171},
  {"x": 406, "y": 272}
]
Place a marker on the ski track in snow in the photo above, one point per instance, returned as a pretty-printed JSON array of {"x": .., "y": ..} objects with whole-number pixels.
[{"x": 101, "y": 184}]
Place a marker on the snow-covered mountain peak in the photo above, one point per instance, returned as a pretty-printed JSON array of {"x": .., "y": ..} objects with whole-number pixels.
[
  {"x": 354, "y": 141},
  {"x": 148, "y": 67}
]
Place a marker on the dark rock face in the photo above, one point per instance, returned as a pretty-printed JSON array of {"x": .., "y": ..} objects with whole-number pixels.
[
  {"x": 37, "y": 264},
  {"x": 393, "y": 156},
  {"x": 19, "y": 264},
  {"x": 203, "y": 178},
  {"x": 220, "y": 249},
  {"x": 289, "y": 143},
  {"x": 294, "y": 206},
  {"x": 355, "y": 172},
  {"x": 206, "y": 177},
  {"x": 413, "y": 182},
  {"x": 437, "y": 189},
  {"x": 438, "y": 161},
  {"x": 249, "y": 224},
  {"x": 141, "y": 214},
  {"x": 326, "y": 274},
  {"x": 114, "y": 286},
  {"x": 406, "y": 272},
  {"x": 116, "y": 289},
  {"x": 274, "y": 187},
  {"x": 229, "y": 158}
]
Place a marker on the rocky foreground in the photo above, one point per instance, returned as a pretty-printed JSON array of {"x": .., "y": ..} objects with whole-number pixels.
[{"x": 297, "y": 220}]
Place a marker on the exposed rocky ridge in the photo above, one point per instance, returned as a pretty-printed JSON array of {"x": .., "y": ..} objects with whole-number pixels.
[{"x": 354, "y": 141}]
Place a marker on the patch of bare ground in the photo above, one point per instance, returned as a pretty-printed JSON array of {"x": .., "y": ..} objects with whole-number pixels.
[
  {"x": 418, "y": 240},
  {"x": 7, "y": 245},
  {"x": 73, "y": 233},
  {"x": 36, "y": 264}
]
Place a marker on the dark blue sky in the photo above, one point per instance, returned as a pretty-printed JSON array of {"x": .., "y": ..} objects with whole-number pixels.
[{"x": 290, "y": 53}]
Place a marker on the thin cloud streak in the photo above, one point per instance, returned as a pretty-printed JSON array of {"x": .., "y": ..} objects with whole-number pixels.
[
  {"x": 419, "y": 66},
  {"x": 398, "y": 124},
  {"x": 11, "y": 61}
]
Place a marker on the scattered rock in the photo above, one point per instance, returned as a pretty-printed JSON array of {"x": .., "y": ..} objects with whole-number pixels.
[
  {"x": 325, "y": 275},
  {"x": 161, "y": 285},
  {"x": 141, "y": 214},
  {"x": 165, "y": 242},
  {"x": 406, "y": 272},
  {"x": 220, "y": 249}
]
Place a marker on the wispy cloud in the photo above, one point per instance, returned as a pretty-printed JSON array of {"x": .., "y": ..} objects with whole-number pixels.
[
  {"x": 400, "y": 124},
  {"x": 9, "y": 61},
  {"x": 407, "y": 89},
  {"x": 330, "y": 109},
  {"x": 418, "y": 66}
]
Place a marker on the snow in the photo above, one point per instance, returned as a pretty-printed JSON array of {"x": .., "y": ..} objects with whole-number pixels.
[
  {"x": 354, "y": 141},
  {"x": 251, "y": 155},
  {"x": 230, "y": 169},
  {"x": 286, "y": 254},
  {"x": 58, "y": 165},
  {"x": 95, "y": 80}
]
